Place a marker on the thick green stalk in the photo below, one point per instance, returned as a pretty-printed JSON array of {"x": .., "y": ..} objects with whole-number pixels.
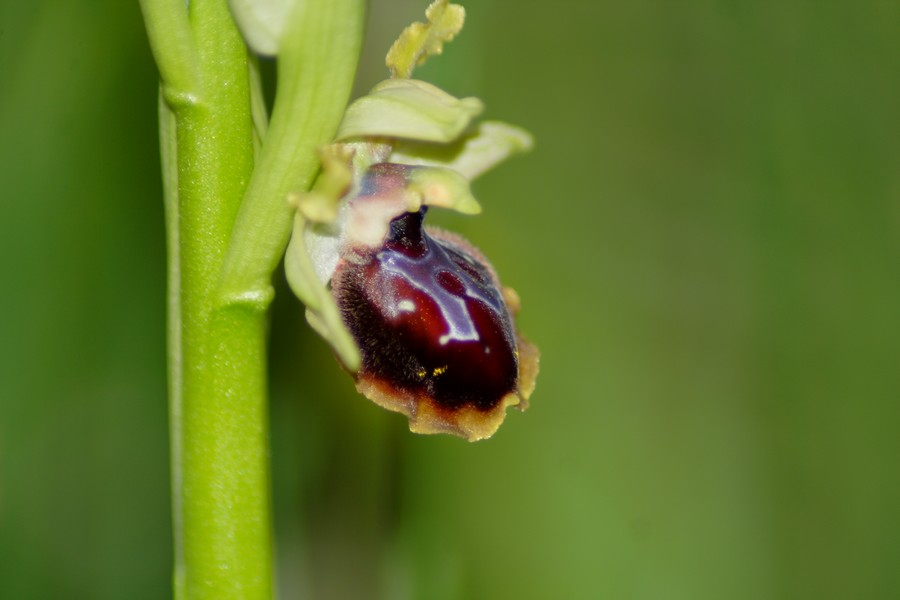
[
  {"x": 220, "y": 453},
  {"x": 227, "y": 225},
  {"x": 217, "y": 382}
]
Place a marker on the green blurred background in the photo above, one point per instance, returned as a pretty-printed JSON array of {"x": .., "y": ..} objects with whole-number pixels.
[{"x": 707, "y": 244}]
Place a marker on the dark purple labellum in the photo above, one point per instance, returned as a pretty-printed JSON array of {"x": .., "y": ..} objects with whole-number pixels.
[{"x": 430, "y": 319}]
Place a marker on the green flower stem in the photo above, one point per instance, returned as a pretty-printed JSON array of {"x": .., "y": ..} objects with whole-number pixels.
[
  {"x": 228, "y": 224},
  {"x": 220, "y": 463}
]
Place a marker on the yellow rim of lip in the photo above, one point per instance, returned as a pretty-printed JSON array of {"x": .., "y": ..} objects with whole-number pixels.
[{"x": 427, "y": 417}]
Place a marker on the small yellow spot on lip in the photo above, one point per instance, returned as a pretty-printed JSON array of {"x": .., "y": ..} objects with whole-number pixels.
[
  {"x": 421, "y": 373},
  {"x": 439, "y": 371}
]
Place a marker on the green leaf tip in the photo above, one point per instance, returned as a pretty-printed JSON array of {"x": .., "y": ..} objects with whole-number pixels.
[{"x": 421, "y": 40}]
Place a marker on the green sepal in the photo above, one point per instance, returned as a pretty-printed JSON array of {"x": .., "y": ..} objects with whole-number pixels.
[
  {"x": 321, "y": 311},
  {"x": 318, "y": 208},
  {"x": 479, "y": 150},
  {"x": 409, "y": 109}
]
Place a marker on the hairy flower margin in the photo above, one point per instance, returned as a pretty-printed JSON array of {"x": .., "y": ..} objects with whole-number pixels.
[{"x": 417, "y": 315}]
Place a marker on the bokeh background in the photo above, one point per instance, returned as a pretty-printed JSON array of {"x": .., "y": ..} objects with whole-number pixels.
[{"x": 707, "y": 244}]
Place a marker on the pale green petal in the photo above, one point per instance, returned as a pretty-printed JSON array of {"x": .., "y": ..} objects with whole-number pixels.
[
  {"x": 471, "y": 155},
  {"x": 320, "y": 205},
  {"x": 437, "y": 186},
  {"x": 421, "y": 40},
  {"x": 409, "y": 109}
]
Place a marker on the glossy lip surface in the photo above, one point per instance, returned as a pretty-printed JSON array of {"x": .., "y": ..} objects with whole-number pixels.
[{"x": 430, "y": 321}]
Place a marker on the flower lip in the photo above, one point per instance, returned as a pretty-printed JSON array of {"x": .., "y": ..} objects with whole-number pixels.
[{"x": 431, "y": 322}]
